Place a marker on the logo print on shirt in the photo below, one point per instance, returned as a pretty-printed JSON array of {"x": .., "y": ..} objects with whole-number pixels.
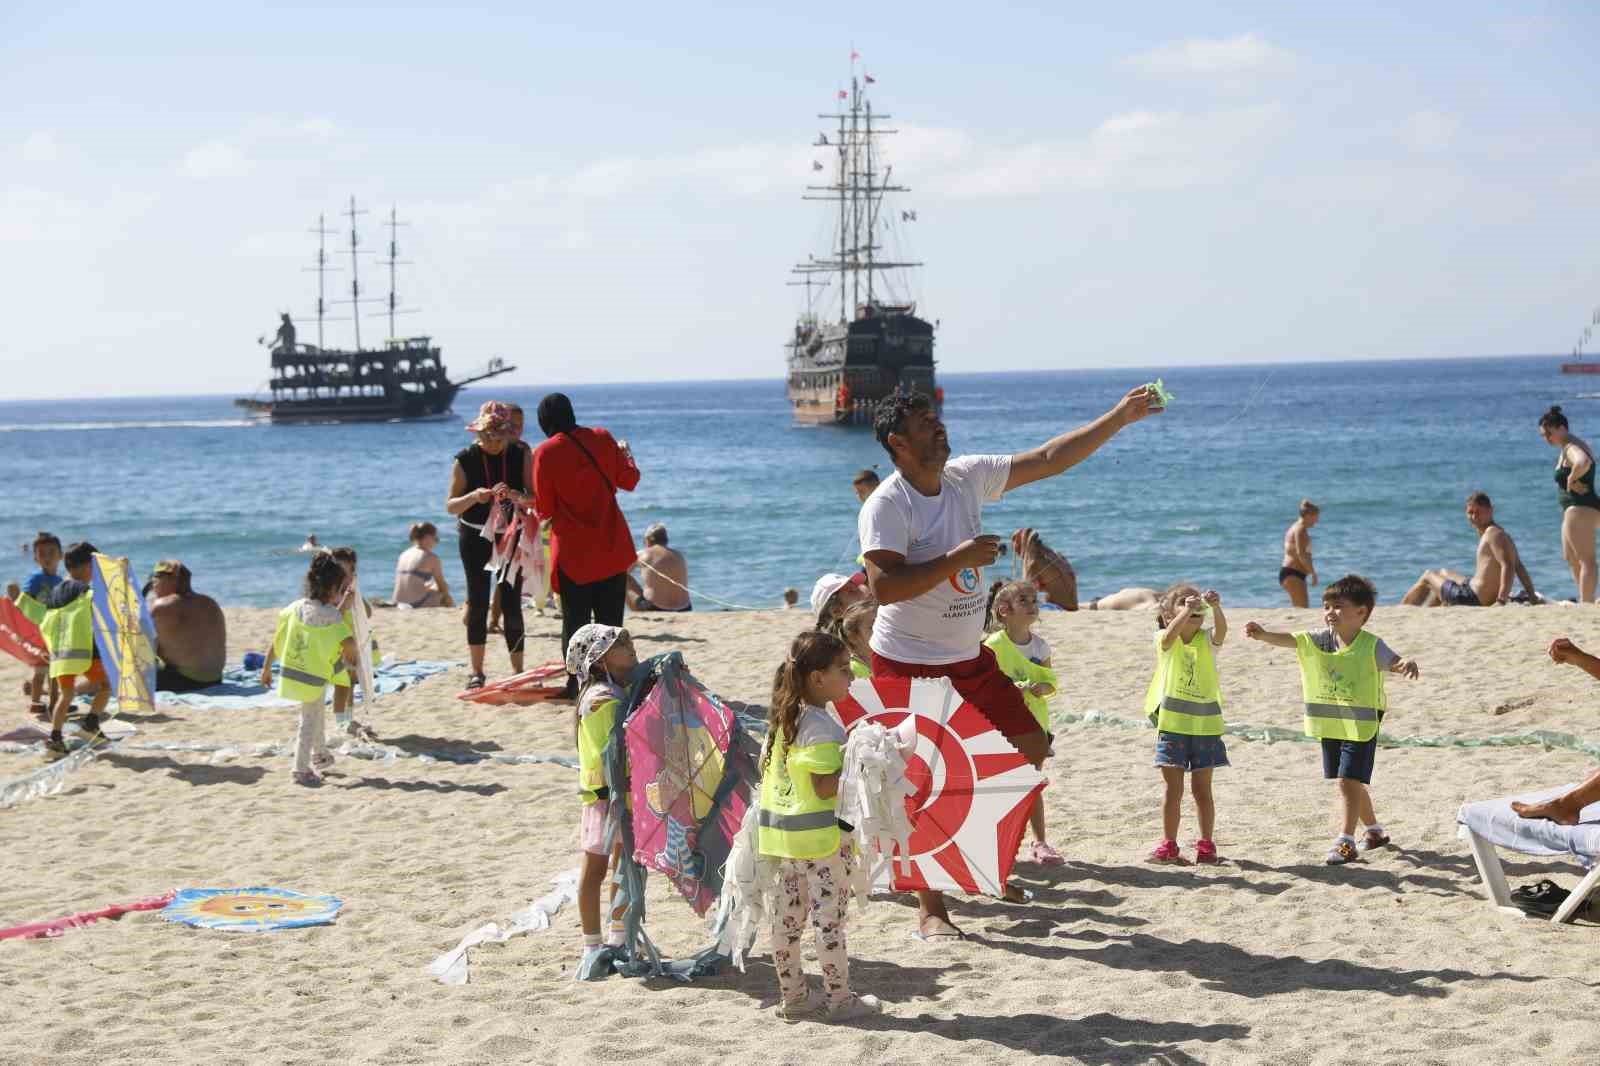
[{"x": 965, "y": 581}]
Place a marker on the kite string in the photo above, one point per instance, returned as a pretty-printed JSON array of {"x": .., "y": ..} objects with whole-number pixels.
[{"x": 698, "y": 594}]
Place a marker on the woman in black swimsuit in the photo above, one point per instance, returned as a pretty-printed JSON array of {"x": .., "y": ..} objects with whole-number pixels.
[{"x": 1580, "y": 506}]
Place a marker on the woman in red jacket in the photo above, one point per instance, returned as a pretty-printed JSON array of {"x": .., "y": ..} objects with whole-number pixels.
[{"x": 576, "y": 474}]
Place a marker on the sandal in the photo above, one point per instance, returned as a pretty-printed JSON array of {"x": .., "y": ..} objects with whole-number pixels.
[
  {"x": 1543, "y": 898},
  {"x": 1025, "y": 895},
  {"x": 475, "y": 681},
  {"x": 1371, "y": 840},
  {"x": 1342, "y": 853}
]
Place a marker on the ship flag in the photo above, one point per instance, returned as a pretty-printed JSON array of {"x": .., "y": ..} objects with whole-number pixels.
[
  {"x": 908, "y": 216},
  {"x": 854, "y": 55},
  {"x": 870, "y": 80},
  {"x": 815, "y": 165},
  {"x": 843, "y": 95}
]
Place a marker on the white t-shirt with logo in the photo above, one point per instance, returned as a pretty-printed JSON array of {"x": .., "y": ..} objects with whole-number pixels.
[{"x": 945, "y": 624}]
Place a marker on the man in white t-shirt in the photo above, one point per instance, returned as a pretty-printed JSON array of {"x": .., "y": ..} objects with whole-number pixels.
[{"x": 924, "y": 547}]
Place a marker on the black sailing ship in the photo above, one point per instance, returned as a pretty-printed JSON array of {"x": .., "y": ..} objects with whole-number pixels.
[
  {"x": 402, "y": 380},
  {"x": 839, "y": 369}
]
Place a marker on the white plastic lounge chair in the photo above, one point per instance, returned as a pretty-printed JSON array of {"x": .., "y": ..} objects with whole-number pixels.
[{"x": 1488, "y": 824}]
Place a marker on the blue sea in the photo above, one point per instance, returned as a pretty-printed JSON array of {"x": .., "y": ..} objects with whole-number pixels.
[{"x": 1204, "y": 492}]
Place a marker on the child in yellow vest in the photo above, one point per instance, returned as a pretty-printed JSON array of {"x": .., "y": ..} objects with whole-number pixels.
[
  {"x": 856, "y": 629},
  {"x": 29, "y": 598},
  {"x": 68, "y": 629},
  {"x": 312, "y": 638},
  {"x": 1184, "y": 703},
  {"x": 1341, "y": 678},
  {"x": 602, "y": 657},
  {"x": 797, "y": 825},
  {"x": 344, "y": 718},
  {"x": 1024, "y": 657}
]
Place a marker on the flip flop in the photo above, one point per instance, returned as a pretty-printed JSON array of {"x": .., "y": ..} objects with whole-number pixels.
[
  {"x": 1027, "y": 896},
  {"x": 931, "y": 938}
]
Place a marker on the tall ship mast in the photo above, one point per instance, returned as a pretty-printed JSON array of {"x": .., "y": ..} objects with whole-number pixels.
[
  {"x": 400, "y": 380},
  {"x": 852, "y": 347}
]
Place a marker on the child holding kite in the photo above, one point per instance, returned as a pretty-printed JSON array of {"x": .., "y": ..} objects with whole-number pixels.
[
  {"x": 1341, "y": 678},
  {"x": 68, "y": 628},
  {"x": 312, "y": 637},
  {"x": 1184, "y": 703},
  {"x": 798, "y": 826},
  {"x": 1024, "y": 657},
  {"x": 29, "y": 598},
  {"x": 602, "y": 657},
  {"x": 343, "y": 697}
]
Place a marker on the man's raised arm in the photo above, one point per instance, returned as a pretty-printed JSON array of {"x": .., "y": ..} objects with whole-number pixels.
[{"x": 1074, "y": 446}]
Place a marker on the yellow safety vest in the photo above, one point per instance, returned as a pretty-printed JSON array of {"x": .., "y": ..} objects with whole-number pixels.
[
  {"x": 794, "y": 822},
  {"x": 1184, "y": 695},
  {"x": 1343, "y": 690},
  {"x": 308, "y": 655},
  {"x": 594, "y": 733},
  {"x": 69, "y": 636},
  {"x": 1024, "y": 671},
  {"x": 859, "y": 668},
  {"x": 31, "y": 608}
]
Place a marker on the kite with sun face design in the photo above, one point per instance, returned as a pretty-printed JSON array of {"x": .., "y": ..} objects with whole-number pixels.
[{"x": 973, "y": 788}]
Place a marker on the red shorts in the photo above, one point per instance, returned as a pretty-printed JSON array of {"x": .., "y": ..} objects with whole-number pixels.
[{"x": 981, "y": 683}]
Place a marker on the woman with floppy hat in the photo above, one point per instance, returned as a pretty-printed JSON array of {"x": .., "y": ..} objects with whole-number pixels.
[
  {"x": 496, "y": 471},
  {"x": 577, "y": 471}
]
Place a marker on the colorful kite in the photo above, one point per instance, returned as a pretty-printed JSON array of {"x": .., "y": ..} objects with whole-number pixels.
[
  {"x": 973, "y": 788},
  {"x": 690, "y": 782},
  {"x": 19, "y": 635},
  {"x": 542, "y": 683},
  {"x": 125, "y": 635},
  {"x": 250, "y": 910}
]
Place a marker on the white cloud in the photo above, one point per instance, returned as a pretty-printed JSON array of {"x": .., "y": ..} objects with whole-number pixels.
[
  {"x": 1430, "y": 131},
  {"x": 214, "y": 159},
  {"x": 1248, "y": 53},
  {"x": 40, "y": 147},
  {"x": 319, "y": 127}
]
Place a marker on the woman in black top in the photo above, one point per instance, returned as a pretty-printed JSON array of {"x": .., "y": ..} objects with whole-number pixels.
[
  {"x": 494, "y": 472},
  {"x": 1580, "y": 506}
]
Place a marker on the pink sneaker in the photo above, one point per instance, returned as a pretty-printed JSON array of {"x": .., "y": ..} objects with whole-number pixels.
[
  {"x": 1044, "y": 854},
  {"x": 1206, "y": 851},
  {"x": 1166, "y": 852}
]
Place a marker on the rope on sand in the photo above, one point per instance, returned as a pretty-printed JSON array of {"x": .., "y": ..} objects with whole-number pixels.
[
  {"x": 698, "y": 594},
  {"x": 1270, "y": 734},
  {"x": 219, "y": 752}
]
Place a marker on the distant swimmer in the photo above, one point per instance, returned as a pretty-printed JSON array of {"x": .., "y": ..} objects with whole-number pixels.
[
  {"x": 311, "y": 544},
  {"x": 1297, "y": 570}
]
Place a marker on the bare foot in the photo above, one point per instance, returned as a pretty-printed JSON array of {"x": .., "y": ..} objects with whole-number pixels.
[{"x": 1554, "y": 810}]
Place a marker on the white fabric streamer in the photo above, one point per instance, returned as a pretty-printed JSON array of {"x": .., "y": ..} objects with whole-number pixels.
[
  {"x": 451, "y": 967},
  {"x": 872, "y": 792},
  {"x": 749, "y": 890}
]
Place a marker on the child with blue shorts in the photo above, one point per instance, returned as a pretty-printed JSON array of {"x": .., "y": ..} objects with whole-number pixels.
[
  {"x": 1341, "y": 678},
  {"x": 1184, "y": 703}
]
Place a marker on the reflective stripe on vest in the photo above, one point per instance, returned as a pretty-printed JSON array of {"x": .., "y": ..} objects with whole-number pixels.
[
  {"x": 794, "y": 822},
  {"x": 1343, "y": 690},
  {"x": 1185, "y": 696},
  {"x": 301, "y": 676}
]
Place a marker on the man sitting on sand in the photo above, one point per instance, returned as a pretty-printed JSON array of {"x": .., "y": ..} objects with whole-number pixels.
[
  {"x": 1565, "y": 808},
  {"x": 1490, "y": 584},
  {"x": 665, "y": 573},
  {"x": 191, "y": 633},
  {"x": 1053, "y": 576}
]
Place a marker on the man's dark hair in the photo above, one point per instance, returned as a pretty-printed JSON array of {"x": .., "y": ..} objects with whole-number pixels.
[
  {"x": 555, "y": 414},
  {"x": 893, "y": 409},
  {"x": 46, "y": 538},
  {"x": 346, "y": 556},
  {"x": 1479, "y": 497},
  {"x": 866, "y": 477},
  {"x": 79, "y": 554},
  {"x": 1353, "y": 589}
]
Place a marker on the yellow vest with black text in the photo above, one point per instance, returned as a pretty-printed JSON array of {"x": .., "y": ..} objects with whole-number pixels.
[
  {"x": 69, "y": 635},
  {"x": 794, "y": 822},
  {"x": 1025, "y": 672},
  {"x": 1343, "y": 690},
  {"x": 594, "y": 733},
  {"x": 308, "y": 656},
  {"x": 1184, "y": 695}
]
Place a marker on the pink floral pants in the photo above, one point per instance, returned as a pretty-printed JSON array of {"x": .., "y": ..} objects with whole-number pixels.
[{"x": 820, "y": 888}]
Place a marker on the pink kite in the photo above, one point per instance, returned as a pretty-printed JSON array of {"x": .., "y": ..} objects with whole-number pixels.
[
  {"x": 19, "y": 636},
  {"x": 539, "y": 685},
  {"x": 973, "y": 788},
  {"x": 57, "y": 926}
]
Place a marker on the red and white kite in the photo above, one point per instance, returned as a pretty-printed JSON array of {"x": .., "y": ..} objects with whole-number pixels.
[{"x": 973, "y": 788}]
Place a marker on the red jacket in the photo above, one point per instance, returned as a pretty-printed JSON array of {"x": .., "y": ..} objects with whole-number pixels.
[{"x": 590, "y": 540}]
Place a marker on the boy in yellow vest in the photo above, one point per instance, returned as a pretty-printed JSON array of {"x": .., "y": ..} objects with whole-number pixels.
[
  {"x": 68, "y": 628},
  {"x": 29, "y": 598},
  {"x": 1341, "y": 676}
]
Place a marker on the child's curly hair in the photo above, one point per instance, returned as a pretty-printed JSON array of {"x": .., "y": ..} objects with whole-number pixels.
[
  {"x": 324, "y": 578},
  {"x": 1167, "y": 606}
]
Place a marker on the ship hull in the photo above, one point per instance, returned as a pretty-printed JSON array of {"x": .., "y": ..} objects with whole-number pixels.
[
  {"x": 838, "y": 374},
  {"x": 405, "y": 408}
]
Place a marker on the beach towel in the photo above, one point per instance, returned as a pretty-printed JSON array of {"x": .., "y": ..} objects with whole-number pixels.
[
  {"x": 1496, "y": 822},
  {"x": 241, "y": 689}
]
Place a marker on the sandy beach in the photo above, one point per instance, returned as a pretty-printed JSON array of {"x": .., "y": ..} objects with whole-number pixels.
[{"x": 1269, "y": 958}]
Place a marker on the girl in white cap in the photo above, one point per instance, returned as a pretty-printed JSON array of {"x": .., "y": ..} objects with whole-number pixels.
[{"x": 601, "y": 657}]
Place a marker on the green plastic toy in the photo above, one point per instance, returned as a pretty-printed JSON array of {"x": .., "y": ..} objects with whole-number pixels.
[{"x": 1163, "y": 397}]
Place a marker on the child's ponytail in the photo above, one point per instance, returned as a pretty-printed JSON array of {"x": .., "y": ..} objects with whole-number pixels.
[{"x": 811, "y": 651}]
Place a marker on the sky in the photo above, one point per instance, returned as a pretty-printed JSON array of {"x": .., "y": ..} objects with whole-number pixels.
[{"x": 602, "y": 193}]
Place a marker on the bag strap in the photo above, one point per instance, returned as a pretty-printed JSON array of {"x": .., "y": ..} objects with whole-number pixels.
[{"x": 573, "y": 437}]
